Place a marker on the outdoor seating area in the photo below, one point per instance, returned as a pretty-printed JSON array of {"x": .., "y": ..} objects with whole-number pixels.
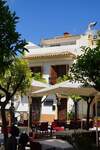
[
  {"x": 72, "y": 136},
  {"x": 45, "y": 129},
  {"x": 59, "y": 130},
  {"x": 59, "y": 135}
]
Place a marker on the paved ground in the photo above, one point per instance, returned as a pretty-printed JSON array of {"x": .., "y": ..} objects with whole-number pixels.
[
  {"x": 2, "y": 141},
  {"x": 1, "y": 138}
]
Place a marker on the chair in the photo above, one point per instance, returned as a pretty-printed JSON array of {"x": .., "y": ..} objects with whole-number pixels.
[
  {"x": 44, "y": 126},
  {"x": 57, "y": 127},
  {"x": 44, "y": 129}
]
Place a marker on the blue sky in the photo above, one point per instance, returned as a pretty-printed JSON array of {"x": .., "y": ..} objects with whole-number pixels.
[{"x": 41, "y": 19}]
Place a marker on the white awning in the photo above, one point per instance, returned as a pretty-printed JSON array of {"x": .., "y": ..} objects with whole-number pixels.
[
  {"x": 68, "y": 88},
  {"x": 37, "y": 85}
]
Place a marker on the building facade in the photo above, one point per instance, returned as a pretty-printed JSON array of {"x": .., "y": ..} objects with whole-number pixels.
[{"x": 52, "y": 59}]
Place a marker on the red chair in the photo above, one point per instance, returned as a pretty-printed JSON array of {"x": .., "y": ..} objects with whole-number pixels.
[{"x": 56, "y": 127}]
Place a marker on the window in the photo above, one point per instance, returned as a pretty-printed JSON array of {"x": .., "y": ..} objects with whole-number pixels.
[
  {"x": 58, "y": 71},
  {"x": 36, "y": 69}
]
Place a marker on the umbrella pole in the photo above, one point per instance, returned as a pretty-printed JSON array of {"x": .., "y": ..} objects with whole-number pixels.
[
  {"x": 82, "y": 115},
  {"x": 29, "y": 101},
  {"x": 97, "y": 144}
]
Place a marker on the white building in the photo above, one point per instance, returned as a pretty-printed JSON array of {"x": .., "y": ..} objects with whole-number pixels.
[{"x": 53, "y": 59}]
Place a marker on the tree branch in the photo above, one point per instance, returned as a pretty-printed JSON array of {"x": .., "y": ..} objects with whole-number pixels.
[
  {"x": 8, "y": 83},
  {"x": 8, "y": 97},
  {"x": 17, "y": 86},
  {"x": 3, "y": 89}
]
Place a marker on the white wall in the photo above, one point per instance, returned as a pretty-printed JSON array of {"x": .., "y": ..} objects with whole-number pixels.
[
  {"x": 70, "y": 104},
  {"x": 46, "y": 70},
  {"x": 48, "y": 109},
  {"x": 83, "y": 109}
]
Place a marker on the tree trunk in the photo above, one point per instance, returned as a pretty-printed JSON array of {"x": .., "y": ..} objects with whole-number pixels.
[
  {"x": 88, "y": 116},
  {"x": 4, "y": 124},
  {"x": 30, "y": 120},
  {"x": 75, "y": 115},
  {"x": 75, "y": 103},
  {"x": 12, "y": 114}
]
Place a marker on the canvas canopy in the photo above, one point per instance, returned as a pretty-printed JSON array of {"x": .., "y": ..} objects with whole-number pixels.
[
  {"x": 23, "y": 105},
  {"x": 37, "y": 85},
  {"x": 68, "y": 88},
  {"x": 71, "y": 88}
]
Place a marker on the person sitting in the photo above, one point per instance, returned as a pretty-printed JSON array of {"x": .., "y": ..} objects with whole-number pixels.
[
  {"x": 12, "y": 141},
  {"x": 23, "y": 141}
]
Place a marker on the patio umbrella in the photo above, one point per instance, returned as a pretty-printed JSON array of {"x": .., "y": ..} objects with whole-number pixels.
[
  {"x": 37, "y": 85},
  {"x": 68, "y": 88}
]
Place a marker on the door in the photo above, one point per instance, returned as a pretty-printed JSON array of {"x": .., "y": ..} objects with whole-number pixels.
[
  {"x": 62, "y": 110},
  {"x": 36, "y": 109}
]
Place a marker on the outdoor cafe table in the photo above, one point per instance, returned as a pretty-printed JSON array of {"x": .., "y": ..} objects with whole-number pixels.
[
  {"x": 69, "y": 133},
  {"x": 53, "y": 144}
]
